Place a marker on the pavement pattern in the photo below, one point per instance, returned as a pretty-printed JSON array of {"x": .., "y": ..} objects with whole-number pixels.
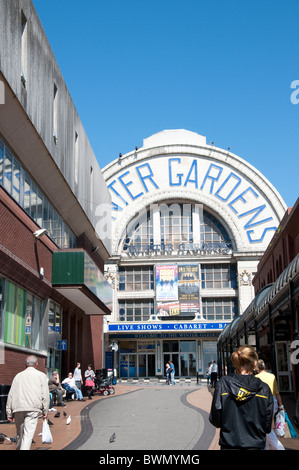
[{"x": 139, "y": 416}]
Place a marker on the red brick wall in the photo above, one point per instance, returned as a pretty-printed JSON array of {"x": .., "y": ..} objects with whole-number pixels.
[
  {"x": 281, "y": 251},
  {"x": 16, "y": 235},
  {"x": 14, "y": 362},
  {"x": 21, "y": 257}
]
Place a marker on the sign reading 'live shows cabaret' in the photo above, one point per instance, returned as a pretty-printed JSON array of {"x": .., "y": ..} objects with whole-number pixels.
[{"x": 161, "y": 327}]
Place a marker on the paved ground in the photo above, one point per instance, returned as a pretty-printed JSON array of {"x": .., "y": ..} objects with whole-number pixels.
[
  {"x": 142, "y": 416},
  {"x": 152, "y": 418}
]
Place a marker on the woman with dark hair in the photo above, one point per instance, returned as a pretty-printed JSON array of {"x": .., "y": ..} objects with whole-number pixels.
[
  {"x": 89, "y": 380},
  {"x": 242, "y": 405}
]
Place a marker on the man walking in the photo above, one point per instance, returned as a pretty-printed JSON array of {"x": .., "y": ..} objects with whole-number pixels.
[
  {"x": 27, "y": 398},
  {"x": 213, "y": 373},
  {"x": 172, "y": 373}
]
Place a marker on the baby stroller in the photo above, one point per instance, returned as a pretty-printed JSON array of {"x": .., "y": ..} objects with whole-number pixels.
[{"x": 104, "y": 385}]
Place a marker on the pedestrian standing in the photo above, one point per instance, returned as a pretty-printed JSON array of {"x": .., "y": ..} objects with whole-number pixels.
[
  {"x": 27, "y": 398},
  {"x": 242, "y": 405},
  {"x": 270, "y": 379},
  {"x": 89, "y": 380},
  {"x": 167, "y": 374},
  {"x": 172, "y": 373},
  {"x": 208, "y": 374},
  {"x": 213, "y": 373},
  {"x": 78, "y": 376}
]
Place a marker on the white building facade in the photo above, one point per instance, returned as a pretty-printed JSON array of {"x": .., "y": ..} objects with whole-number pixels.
[{"x": 190, "y": 223}]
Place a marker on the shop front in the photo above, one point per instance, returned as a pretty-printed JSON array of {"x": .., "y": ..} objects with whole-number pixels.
[{"x": 145, "y": 355}]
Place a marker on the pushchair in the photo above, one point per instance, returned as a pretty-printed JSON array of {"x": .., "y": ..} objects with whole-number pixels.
[{"x": 104, "y": 385}]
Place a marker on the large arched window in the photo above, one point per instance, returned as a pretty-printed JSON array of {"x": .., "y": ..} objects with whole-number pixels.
[{"x": 171, "y": 225}]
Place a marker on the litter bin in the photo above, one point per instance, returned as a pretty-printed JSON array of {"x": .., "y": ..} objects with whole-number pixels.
[{"x": 4, "y": 390}]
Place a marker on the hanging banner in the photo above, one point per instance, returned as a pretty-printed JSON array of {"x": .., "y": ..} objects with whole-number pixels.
[
  {"x": 177, "y": 290},
  {"x": 188, "y": 289},
  {"x": 166, "y": 283}
]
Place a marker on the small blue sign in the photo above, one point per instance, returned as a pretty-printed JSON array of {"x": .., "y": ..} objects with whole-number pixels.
[{"x": 62, "y": 345}]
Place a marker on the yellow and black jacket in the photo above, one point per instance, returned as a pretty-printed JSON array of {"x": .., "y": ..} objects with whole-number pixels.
[{"x": 242, "y": 408}]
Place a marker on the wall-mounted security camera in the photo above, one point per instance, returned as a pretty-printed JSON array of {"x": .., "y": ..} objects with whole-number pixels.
[{"x": 39, "y": 233}]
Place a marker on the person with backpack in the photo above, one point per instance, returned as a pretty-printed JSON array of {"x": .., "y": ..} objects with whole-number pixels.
[{"x": 242, "y": 405}]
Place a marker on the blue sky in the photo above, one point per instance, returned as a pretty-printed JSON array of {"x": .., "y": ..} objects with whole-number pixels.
[{"x": 221, "y": 68}]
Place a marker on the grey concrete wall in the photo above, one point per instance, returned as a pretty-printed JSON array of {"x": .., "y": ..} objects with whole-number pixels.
[{"x": 36, "y": 98}]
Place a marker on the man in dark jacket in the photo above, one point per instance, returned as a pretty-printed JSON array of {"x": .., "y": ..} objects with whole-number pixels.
[{"x": 242, "y": 408}]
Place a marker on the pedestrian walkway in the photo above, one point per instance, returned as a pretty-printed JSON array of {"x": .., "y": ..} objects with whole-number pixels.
[
  {"x": 62, "y": 433},
  {"x": 153, "y": 418},
  {"x": 196, "y": 396}
]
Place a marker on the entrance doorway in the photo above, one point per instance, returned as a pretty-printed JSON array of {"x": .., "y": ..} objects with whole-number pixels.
[
  {"x": 284, "y": 373},
  {"x": 187, "y": 358},
  {"x": 183, "y": 356},
  {"x": 127, "y": 365},
  {"x": 146, "y": 365},
  {"x": 137, "y": 365},
  {"x": 174, "y": 358}
]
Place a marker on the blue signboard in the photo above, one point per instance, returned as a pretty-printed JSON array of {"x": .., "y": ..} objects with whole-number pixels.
[
  {"x": 196, "y": 326},
  {"x": 62, "y": 345}
]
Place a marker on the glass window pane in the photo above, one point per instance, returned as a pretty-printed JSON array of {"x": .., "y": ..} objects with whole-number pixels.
[
  {"x": 28, "y": 321},
  {"x": 33, "y": 201},
  {"x": 39, "y": 209},
  {"x": 45, "y": 222},
  {"x": 37, "y": 324},
  {"x": 16, "y": 181},
  {"x": 58, "y": 319},
  {"x": 27, "y": 191},
  {"x": 1, "y": 161},
  {"x": 7, "y": 171}
]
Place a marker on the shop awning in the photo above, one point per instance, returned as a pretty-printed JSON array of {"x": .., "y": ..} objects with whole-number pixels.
[{"x": 76, "y": 277}]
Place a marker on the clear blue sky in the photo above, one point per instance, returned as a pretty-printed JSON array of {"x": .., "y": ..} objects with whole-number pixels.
[{"x": 221, "y": 68}]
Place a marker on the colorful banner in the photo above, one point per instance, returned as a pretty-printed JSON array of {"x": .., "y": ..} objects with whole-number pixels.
[
  {"x": 177, "y": 290},
  {"x": 188, "y": 289},
  {"x": 166, "y": 283}
]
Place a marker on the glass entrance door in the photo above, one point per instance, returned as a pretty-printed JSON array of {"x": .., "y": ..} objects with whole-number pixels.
[
  {"x": 127, "y": 365},
  {"x": 188, "y": 364},
  {"x": 284, "y": 376},
  {"x": 146, "y": 365},
  {"x": 187, "y": 358}
]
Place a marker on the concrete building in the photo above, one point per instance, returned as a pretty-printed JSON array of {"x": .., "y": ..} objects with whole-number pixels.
[
  {"x": 190, "y": 224},
  {"x": 52, "y": 249}
]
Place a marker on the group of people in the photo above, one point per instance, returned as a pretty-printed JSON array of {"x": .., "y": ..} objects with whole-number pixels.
[
  {"x": 170, "y": 372},
  {"x": 72, "y": 384},
  {"x": 30, "y": 395},
  {"x": 244, "y": 404}
]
